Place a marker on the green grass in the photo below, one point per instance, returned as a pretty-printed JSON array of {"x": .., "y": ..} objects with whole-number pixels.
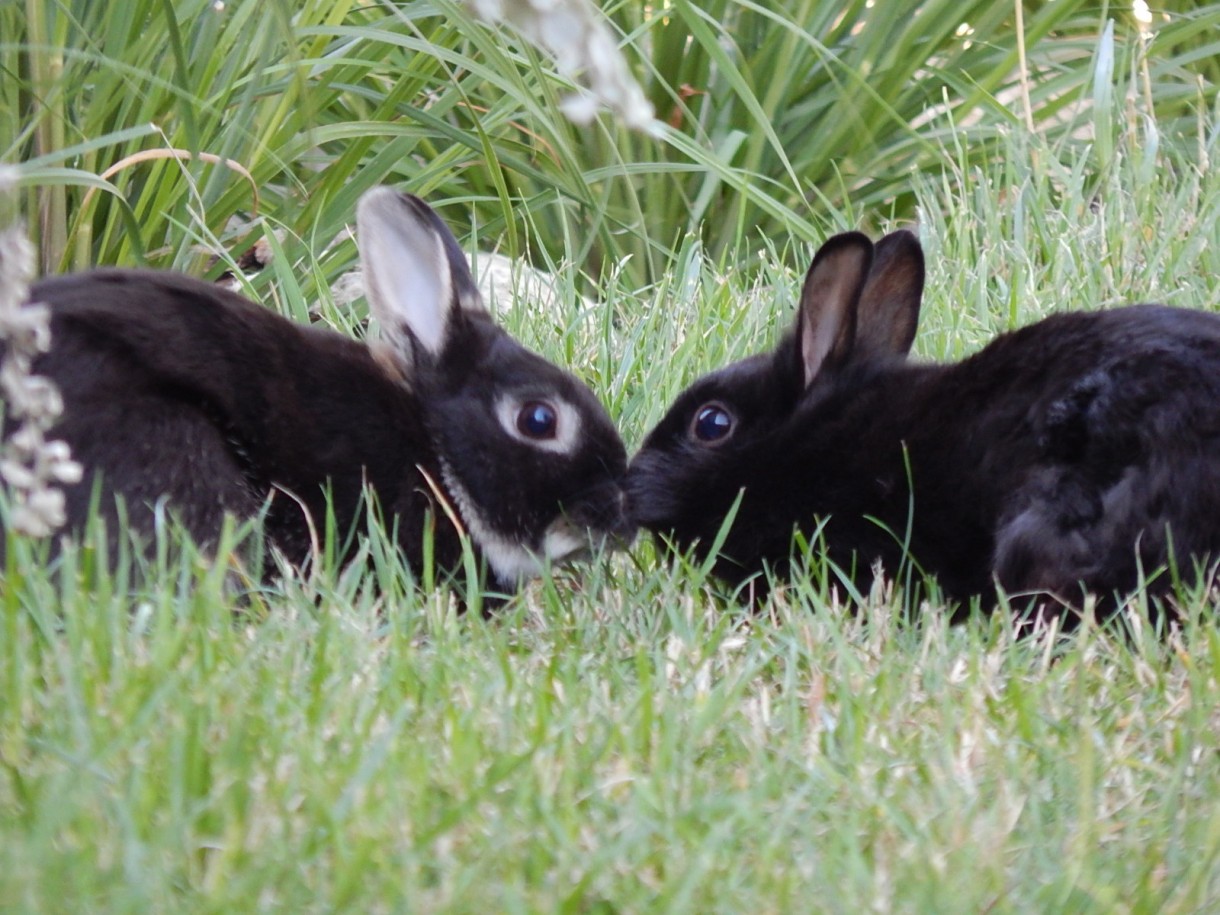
[
  {"x": 626, "y": 745},
  {"x": 620, "y": 738}
]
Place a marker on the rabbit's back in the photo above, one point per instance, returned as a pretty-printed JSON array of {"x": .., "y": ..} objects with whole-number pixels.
[
  {"x": 1118, "y": 460},
  {"x": 1096, "y": 388},
  {"x": 179, "y": 391}
]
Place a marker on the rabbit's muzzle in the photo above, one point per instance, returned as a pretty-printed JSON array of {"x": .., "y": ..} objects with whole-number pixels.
[{"x": 598, "y": 519}]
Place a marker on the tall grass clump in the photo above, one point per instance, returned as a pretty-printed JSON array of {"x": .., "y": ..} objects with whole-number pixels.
[{"x": 772, "y": 119}]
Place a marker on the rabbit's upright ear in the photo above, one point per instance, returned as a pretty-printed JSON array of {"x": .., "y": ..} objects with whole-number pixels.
[
  {"x": 889, "y": 306},
  {"x": 416, "y": 278},
  {"x": 826, "y": 323}
]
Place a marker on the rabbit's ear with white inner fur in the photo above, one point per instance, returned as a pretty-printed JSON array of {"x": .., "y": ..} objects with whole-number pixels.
[
  {"x": 889, "y": 305},
  {"x": 415, "y": 275},
  {"x": 826, "y": 322}
]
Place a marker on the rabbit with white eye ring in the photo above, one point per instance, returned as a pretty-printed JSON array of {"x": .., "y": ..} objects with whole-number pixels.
[
  {"x": 177, "y": 390},
  {"x": 1067, "y": 458}
]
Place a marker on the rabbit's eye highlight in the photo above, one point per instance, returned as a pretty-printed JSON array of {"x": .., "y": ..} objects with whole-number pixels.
[
  {"x": 712, "y": 424},
  {"x": 538, "y": 420}
]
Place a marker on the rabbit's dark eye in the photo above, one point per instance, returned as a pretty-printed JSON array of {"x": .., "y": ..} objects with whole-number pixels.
[
  {"x": 712, "y": 423},
  {"x": 537, "y": 420}
]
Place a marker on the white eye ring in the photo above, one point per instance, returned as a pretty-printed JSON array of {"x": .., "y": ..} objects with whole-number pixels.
[{"x": 566, "y": 425}]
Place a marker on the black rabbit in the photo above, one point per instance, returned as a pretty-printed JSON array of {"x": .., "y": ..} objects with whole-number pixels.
[
  {"x": 1065, "y": 458},
  {"x": 180, "y": 392}
]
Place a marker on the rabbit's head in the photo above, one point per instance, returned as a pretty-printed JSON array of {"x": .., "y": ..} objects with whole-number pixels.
[
  {"x": 724, "y": 434},
  {"x": 527, "y": 456}
]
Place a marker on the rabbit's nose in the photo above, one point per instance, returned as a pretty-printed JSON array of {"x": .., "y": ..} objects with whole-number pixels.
[
  {"x": 617, "y": 521},
  {"x": 604, "y": 511},
  {"x": 625, "y": 526}
]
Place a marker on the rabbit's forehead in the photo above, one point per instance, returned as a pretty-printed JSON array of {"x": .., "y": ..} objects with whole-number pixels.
[
  {"x": 511, "y": 369},
  {"x": 745, "y": 384},
  {"x": 503, "y": 357}
]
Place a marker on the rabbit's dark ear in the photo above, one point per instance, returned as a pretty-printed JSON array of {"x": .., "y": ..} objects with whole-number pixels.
[
  {"x": 415, "y": 275},
  {"x": 889, "y": 306},
  {"x": 826, "y": 323}
]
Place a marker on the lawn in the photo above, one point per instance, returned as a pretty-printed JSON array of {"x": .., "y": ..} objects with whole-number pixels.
[{"x": 622, "y": 737}]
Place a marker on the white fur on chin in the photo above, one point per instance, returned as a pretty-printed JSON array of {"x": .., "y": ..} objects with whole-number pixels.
[{"x": 511, "y": 561}]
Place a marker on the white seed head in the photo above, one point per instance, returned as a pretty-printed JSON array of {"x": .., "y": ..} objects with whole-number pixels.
[
  {"x": 584, "y": 49},
  {"x": 30, "y": 466}
]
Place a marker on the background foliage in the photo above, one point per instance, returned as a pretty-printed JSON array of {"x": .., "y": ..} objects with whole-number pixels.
[{"x": 777, "y": 119}]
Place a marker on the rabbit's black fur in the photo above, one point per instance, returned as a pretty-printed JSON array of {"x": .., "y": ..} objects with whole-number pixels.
[
  {"x": 1072, "y": 454},
  {"x": 177, "y": 390}
]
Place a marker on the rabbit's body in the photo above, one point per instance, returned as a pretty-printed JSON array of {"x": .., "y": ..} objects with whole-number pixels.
[
  {"x": 1056, "y": 458},
  {"x": 146, "y": 358},
  {"x": 180, "y": 393}
]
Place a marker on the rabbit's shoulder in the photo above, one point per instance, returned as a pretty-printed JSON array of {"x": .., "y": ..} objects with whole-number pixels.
[{"x": 299, "y": 399}]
